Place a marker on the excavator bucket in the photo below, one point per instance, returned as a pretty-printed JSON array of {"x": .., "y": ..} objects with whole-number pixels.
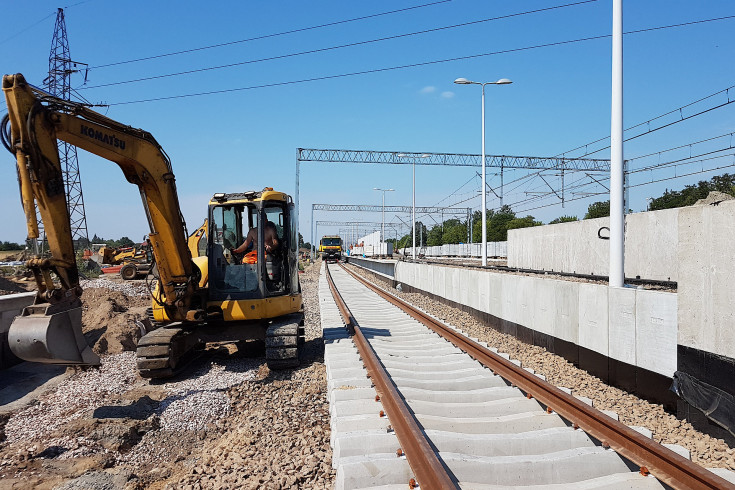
[{"x": 51, "y": 334}]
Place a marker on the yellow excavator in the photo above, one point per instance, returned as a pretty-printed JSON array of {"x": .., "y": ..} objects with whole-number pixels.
[
  {"x": 215, "y": 297},
  {"x": 135, "y": 261}
]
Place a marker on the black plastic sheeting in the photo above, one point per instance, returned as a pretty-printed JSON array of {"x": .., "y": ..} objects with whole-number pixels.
[{"x": 717, "y": 405}]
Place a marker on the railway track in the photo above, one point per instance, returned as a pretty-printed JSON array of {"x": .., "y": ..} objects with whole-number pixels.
[{"x": 434, "y": 408}]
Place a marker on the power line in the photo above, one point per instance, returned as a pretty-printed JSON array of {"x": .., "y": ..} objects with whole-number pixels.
[
  {"x": 648, "y": 122},
  {"x": 660, "y": 152},
  {"x": 13, "y": 36},
  {"x": 687, "y": 145},
  {"x": 340, "y": 46},
  {"x": 670, "y": 163},
  {"x": 266, "y": 36},
  {"x": 27, "y": 28},
  {"x": 674, "y": 163},
  {"x": 412, "y": 65},
  {"x": 682, "y": 118},
  {"x": 474, "y": 176},
  {"x": 636, "y": 185}
]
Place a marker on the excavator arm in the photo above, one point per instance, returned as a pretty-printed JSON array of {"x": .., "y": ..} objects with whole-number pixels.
[{"x": 37, "y": 121}]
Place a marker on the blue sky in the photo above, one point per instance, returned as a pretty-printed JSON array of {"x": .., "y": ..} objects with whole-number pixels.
[{"x": 247, "y": 139}]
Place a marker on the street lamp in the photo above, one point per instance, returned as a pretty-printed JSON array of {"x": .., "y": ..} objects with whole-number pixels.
[
  {"x": 413, "y": 205},
  {"x": 502, "y": 81},
  {"x": 382, "y": 236}
]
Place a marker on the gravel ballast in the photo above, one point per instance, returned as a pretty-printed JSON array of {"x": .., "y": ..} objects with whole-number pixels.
[{"x": 227, "y": 421}]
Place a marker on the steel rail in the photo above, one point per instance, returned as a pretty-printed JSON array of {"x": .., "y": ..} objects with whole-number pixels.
[
  {"x": 426, "y": 466},
  {"x": 667, "y": 466}
]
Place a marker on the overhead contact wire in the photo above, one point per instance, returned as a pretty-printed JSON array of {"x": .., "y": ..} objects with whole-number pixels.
[
  {"x": 332, "y": 48},
  {"x": 266, "y": 36},
  {"x": 412, "y": 65}
]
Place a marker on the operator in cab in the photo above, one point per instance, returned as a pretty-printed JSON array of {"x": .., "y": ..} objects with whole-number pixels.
[{"x": 271, "y": 244}]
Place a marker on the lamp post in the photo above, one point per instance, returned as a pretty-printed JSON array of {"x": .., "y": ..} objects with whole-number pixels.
[
  {"x": 502, "y": 81},
  {"x": 382, "y": 227},
  {"x": 413, "y": 204}
]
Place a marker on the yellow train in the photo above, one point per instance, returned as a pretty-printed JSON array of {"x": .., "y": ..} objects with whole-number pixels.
[{"x": 330, "y": 246}]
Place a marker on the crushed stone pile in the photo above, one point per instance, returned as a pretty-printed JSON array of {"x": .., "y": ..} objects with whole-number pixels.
[{"x": 129, "y": 288}]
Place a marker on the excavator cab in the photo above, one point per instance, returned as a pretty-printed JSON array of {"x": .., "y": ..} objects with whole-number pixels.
[{"x": 269, "y": 267}]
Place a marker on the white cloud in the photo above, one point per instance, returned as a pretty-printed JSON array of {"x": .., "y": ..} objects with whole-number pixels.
[
  {"x": 447, "y": 95},
  {"x": 427, "y": 90}
]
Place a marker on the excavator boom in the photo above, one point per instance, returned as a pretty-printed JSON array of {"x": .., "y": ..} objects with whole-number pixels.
[{"x": 49, "y": 330}]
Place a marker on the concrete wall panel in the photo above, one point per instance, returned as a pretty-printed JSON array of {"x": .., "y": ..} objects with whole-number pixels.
[
  {"x": 495, "y": 295},
  {"x": 593, "y": 317},
  {"x": 509, "y": 292},
  {"x": 458, "y": 284},
  {"x": 439, "y": 287},
  {"x": 656, "y": 331},
  {"x": 566, "y": 313},
  {"x": 471, "y": 294},
  {"x": 622, "y": 324},
  {"x": 706, "y": 293},
  {"x": 525, "y": 299},
  {"x": 542, "y": 301},
  {"x": 481, "y": 296},
  {"x": 651, "y": 246}
]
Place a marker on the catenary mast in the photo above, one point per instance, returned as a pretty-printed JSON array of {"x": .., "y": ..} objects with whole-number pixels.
[{"x": 58, "y": 83}]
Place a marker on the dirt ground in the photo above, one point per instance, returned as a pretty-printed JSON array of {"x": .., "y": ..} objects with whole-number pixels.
[
  {"x": 9, "y": 285},
  {"x": 226, "y": 422}
]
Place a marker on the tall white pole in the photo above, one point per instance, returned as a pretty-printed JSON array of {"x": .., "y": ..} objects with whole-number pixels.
[
  {"x": 617, "y": 216},
  {"x": 382, "y": 226},
  {"x": 313, "y": 232},
  {"x": 484, "y": 195},
  {"x": 413, "y": 211}
]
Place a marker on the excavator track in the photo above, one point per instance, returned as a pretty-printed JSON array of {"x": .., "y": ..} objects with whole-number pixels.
[
  {"x": 164, "y": 352},
  {"x": 282, "y": 341}
]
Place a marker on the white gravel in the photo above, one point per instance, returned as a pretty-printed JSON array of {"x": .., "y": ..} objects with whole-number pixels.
[
  {"x": 192, "y": 405},
  {"x": 200, "y": 399},
  {"x": 82, "y": 392},
  {"x": 130, "y": 288},
  {"x": 189, "y": 404}
]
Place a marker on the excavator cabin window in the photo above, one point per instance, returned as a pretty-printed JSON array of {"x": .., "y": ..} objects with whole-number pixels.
[
  {"x": 268, "y": 254},
  {"x": 275, "y": 249},
  {"x": 230, "y": 276}
]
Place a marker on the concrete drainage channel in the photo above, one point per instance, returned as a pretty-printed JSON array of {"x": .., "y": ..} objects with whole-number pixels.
[{"x": 486, "y": 433}]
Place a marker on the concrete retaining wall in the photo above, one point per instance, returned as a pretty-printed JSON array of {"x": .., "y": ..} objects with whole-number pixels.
[
  {"x": 651, "y": 246},
  {"x": 635, "y": 326},
  {"x": 11, "y": 305},
  {"x": 385, "y": 268},
  {"x": 494, "y": 249},
  {"x": 707, "y": 282}
]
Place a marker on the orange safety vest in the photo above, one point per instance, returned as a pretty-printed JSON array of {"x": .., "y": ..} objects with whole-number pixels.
[{"x": 250, "y": 257}]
